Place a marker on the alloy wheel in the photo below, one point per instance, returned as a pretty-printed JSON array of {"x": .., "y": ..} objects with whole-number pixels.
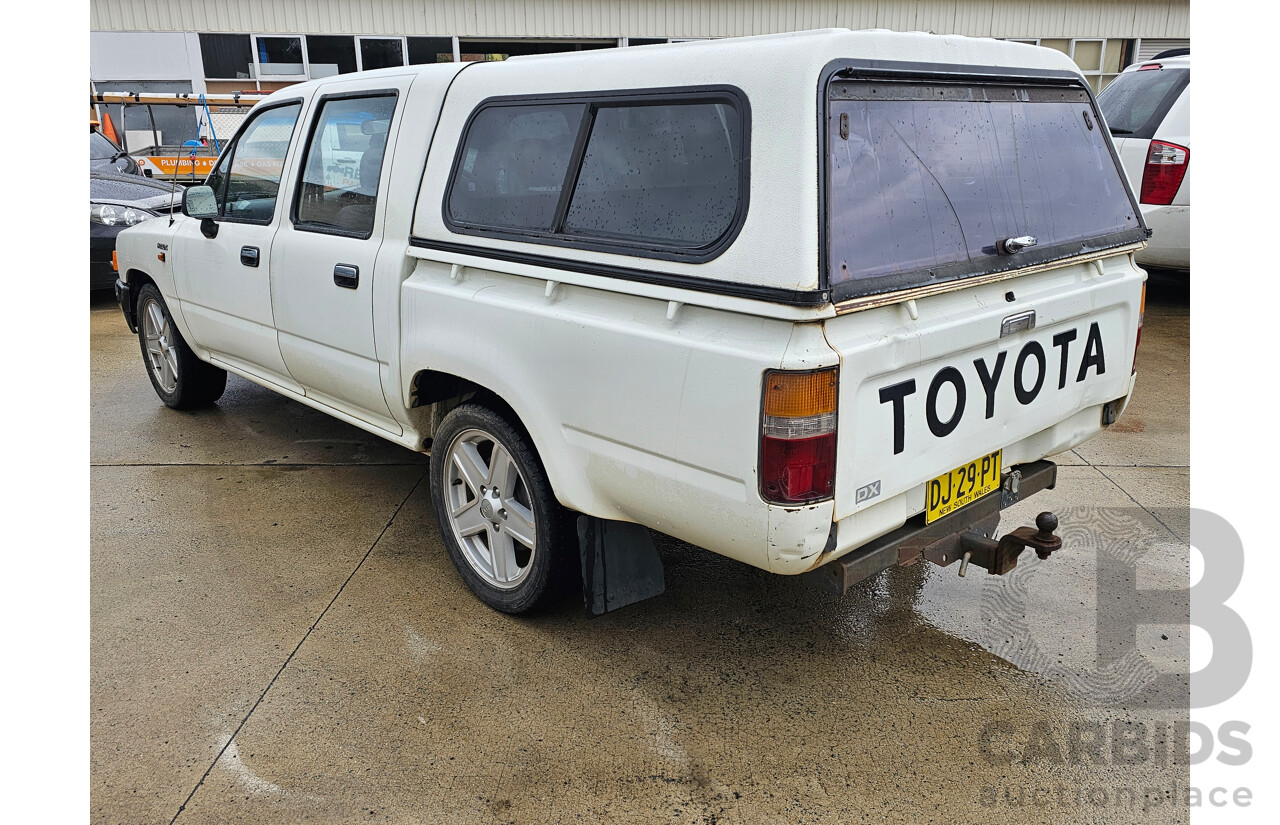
[
  {"x": 162, "y": 354},
  {"x": 489, "y": 509}
]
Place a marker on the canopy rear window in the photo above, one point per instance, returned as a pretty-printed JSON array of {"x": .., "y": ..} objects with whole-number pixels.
[
  {"x": 657, "y": 174},
  {"x": 927, "y": 181}
]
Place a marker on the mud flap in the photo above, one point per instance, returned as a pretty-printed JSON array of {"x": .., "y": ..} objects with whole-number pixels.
[{"x": 620, "y": 565}]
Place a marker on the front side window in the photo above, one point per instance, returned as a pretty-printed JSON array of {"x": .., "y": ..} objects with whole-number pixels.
[
  {"x": 248, "y": 187},
  {"x": 656, "y": 176},
  {"x": 343, "y": 165}
]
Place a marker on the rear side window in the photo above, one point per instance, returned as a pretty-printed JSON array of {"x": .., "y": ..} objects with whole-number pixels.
[
  {"x": 926, "y": 183},
  {"x": 1135, "y": 103},
  {"x": 343, "y": 164},
  {"x": 654, "y": 175}
]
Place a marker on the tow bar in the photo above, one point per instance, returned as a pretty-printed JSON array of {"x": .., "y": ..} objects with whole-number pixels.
[
  {"x": 964, "y": 536},
  {"x": 1000, "y": 557}
]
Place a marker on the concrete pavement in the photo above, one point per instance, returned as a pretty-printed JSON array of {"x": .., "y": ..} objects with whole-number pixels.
[{"x": 278, "y": 636}]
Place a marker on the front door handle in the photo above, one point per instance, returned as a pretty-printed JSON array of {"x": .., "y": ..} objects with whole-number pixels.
[
  {"x": 346, "y": 275},
  {"x": 249, "y": 255}
]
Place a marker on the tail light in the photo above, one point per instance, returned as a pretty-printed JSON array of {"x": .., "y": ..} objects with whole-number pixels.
[
  {"x": 1163, "y": 174},
  {"x": 798, "y": 436},
  {"x": 1142, "y": 314}
]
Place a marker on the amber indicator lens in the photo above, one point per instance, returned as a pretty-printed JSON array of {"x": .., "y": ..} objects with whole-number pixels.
[{"x": 792, "y": 394}]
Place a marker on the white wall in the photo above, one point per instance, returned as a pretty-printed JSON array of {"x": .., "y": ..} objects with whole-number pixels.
[
  {"x": 146, "y": 56},
  {"x": 648, "y": 18}
]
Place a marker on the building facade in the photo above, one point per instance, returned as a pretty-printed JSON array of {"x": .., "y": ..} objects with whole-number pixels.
[{"x": 220, "y": 46}]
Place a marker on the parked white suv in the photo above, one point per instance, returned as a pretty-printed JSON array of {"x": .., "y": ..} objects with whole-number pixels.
[
  {"x": 799, "y": 300},
  {"x": 1148, "y": 109}
]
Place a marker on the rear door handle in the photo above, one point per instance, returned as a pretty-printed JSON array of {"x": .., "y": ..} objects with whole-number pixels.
[
  {"x": 346, "y": 275},
  {"x": 249, "y": 255}
]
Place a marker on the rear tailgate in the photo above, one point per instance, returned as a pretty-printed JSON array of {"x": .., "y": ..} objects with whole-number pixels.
[
  {"x": 920, "y": 398},
  {"x": 997, "y": 208}
]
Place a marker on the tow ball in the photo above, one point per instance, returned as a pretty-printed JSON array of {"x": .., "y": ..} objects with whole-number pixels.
[{"x": 999, "y": 557}]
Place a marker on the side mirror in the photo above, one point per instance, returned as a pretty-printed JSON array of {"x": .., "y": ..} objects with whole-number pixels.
[{"x": 199, "y": 202}]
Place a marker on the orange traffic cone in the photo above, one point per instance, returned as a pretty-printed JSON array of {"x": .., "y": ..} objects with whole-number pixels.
[{"x": 108, "y": 129}]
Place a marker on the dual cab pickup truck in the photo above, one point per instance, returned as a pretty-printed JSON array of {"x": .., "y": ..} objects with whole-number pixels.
[{"x": 819, "y": 302}]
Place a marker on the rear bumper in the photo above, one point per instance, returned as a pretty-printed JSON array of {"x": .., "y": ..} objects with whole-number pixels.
[{"x": 909, "y": 543}]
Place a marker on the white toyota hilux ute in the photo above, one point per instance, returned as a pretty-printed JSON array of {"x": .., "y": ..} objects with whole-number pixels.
[{"x": 820, "y": 302}]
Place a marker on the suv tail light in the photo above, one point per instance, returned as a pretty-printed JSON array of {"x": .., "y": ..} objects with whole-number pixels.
[
  {"x": 1163, "y": 174},
  {"x": 798, "y": 436}
]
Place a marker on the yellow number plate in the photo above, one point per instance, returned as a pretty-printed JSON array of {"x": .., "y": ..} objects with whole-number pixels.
[{"x": 966, "y": 483}]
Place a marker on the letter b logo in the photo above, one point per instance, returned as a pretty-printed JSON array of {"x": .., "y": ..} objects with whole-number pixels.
[{"x": 1123, "y": 608}]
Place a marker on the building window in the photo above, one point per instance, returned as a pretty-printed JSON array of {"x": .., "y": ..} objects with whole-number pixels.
[
  {"x": 430, "y": 50},
  {"x": 329, "y": 55},
  {"x": 1099, "y": 60},
  {"x": 281, "y": 57},
  {"x": 491, "y": 50},
  {"x": 227, "y": 56},
  {"x": 381, "y": 52}
]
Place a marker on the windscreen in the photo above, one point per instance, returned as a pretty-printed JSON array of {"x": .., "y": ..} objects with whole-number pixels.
[
  {"x": 930, "y": 182},
  {"x": 1136, "y": 102},
  {"x": 100, "y": 148}
]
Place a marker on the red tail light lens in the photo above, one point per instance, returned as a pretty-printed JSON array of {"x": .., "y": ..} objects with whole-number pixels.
[
  {"x": 798, "y": 436},
  {"x": 1166, "y": 167},
  {"x": 798, "y": 470}
]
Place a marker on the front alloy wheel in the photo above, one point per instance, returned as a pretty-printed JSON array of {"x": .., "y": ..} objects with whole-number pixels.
[
  {"x": 181, "y": 379},
  {"x": 157, "y": 336}
]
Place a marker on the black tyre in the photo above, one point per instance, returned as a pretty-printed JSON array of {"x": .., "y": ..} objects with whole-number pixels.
[
  {"x": 181, "y": 379},
  {"x": 500, "y": 521}
]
